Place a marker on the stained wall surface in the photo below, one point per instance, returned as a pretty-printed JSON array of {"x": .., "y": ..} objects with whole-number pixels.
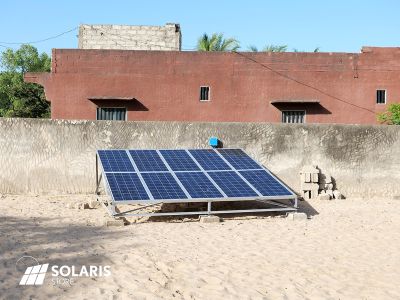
[{"x": 58, "y": 156}]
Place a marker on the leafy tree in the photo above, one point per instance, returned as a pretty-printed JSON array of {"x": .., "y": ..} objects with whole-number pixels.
[
  {"x": 391, "y": 116},
  {"x": 217, "y": 42},
  {"x": 18, "y": 98}
]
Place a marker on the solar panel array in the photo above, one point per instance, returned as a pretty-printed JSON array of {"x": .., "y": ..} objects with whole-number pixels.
[{"x": 187, "y": 175}]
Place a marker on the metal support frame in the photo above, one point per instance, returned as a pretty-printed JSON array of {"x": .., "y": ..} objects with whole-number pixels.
[{"x": 111, "y": 206}]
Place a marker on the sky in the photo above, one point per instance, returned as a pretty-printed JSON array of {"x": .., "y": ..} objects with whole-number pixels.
[{"x": 331, "y": 25}]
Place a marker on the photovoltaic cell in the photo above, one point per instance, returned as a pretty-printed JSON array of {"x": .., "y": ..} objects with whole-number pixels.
[
  {"x": 115, "y": 161},
  {"x": 163, "y": 186},
  {"x": 126, "y": 186},
  {"x": 232, "y": 184},
  {"x": 198, "y": 185},
  {"x": 265, "y": 183},
  {"x": 147, "y": 160},
  {"x": 179, "y": 160},
  {"x": 239, "y": 159},
  {"x": 209, "y": 160}
]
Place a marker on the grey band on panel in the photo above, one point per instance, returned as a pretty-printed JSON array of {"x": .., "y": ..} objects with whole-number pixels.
[
  {"x": 174, "y": 175},
  {"x": 237, "y": 172},
  {"x": 140, "y": 175}
]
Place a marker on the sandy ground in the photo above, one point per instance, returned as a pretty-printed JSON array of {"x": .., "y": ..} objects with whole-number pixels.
[{"x": 349, "y": 249}]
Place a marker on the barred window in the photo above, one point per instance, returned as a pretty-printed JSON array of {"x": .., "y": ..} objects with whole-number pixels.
[
  {"x": 111, "y": 113},
  {"x": 293, "y": 116},
  {"x": 204, "y": 93},
  {"x": 380, "y": 96}
]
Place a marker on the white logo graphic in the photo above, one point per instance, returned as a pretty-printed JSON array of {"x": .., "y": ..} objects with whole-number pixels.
[{"x": 34, "y": 275}]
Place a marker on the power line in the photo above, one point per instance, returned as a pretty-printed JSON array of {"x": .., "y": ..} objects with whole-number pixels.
[
  {"x": 302, "y": 83},
  {"x": 39, "y": 41}
]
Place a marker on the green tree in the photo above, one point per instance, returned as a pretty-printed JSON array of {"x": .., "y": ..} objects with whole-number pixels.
[
  {"x": 391, "y": 116},
  {"x": 269, "y": 48},
  {"x": 217, "y": 42},
  {"x": 18, "y": 98},
  {"x": 275, "y": 48}
]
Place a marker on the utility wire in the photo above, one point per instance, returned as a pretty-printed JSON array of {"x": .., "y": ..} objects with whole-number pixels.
[
  {"x": 302, "y": 83},
  {"x": 39, "y": 41}
]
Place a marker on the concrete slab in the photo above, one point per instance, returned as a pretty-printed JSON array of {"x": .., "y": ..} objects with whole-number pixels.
[
  {"x": 209, "y": 219},
  {"x": 297, "y": 216}
]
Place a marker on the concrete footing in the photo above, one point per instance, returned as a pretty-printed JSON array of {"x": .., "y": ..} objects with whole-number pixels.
[
  {"x": 114, "y": 222},
  {"x": 209, "y": 219},
  {"x": 297, "y": 216}
]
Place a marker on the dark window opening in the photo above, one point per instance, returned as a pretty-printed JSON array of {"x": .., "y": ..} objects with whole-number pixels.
[
  {"x": 111, "y": 113},
  {"x": 204, "y": 93},
  {"x": 293, "y": 116},
  {"x": 380, "y": 96}
]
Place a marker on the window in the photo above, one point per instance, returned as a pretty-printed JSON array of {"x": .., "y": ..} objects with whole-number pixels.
[
  {"x": 204, "y": 93},
  {"x": 380, "y": 96},
  {"x": 111, "y": 113},
  {"x": 293, "y": 116}
]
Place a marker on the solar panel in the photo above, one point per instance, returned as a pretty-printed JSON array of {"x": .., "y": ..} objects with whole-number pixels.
[
  {"x": 232, "y": 184},
  {"x": 163, "y": 186},
  {"x": 126, "y": 186},
  {"x": 179, "y": 160},
  {"x": 238, "y": 159},
  {"x": 198, "y": 185},
  {"x": 115, "y": 161},
  {"x": 209, "y": 159},
  {"x": 265, "y": 183},
  {"x": 147, "y": 160},
  {"x": 188, "y": 175}
]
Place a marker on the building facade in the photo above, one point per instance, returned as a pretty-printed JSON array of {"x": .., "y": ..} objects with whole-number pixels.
[{"x": 221, "y": 86}]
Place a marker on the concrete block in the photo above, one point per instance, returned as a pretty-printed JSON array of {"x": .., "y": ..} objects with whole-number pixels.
[
  {"x": 324, "y": 197},
  {"x": 329, "y": 186},
  {"x": 315, "y": 177},
  {"x": 337, "y": 194},
  {"x": 309, "y": 186},
  {"x": 209, "y": 219},
  {"x": 297, "y": 216},
  {"x": 114, "y": 222},
  {"x": 330, "y": 193},
  {"x": 94, "y": 204}
]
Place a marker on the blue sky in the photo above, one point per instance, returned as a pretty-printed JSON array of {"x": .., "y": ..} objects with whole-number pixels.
[{"x": 337, "y": 26}]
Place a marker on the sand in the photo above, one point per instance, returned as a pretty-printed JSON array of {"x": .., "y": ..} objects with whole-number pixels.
[{"x": 350, "y": 249}]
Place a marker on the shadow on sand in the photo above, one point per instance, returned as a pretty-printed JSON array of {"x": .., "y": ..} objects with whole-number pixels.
[{"x": 49, "y": 241}]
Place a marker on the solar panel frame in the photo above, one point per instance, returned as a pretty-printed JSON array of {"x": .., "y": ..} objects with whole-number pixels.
[{"x": 291, "y": 194}]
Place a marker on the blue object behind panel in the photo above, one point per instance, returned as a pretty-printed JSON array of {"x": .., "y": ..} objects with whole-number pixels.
[
  {"x": 238, "y": 159},
  {"x": 147, "y": 160},
  {"x": 163, "y": 186},
  {"x": 115, "y": 161},
  {"x": 209, "y": 160},
  {"x": 179, "y": 160},
  {"x": 198, "y": 185},
  {"x": 232, "y": 184},
  {"x": 126, "y": 186}
]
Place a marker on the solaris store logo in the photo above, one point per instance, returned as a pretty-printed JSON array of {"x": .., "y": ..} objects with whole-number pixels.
[{"x": 61, "y": 275}]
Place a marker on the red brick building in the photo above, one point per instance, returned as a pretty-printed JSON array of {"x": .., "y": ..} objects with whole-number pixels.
[{"x": 221, "y": 86}]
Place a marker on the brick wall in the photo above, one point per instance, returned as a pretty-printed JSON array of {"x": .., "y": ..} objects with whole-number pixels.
[{"x": 128, "y": 37}]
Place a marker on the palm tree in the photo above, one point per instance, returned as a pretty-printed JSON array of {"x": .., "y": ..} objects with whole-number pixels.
[
  {"x": 252, "y": 48},
  {"x": 217, "y": 42},
  {"x": 275, "y": 48}
]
